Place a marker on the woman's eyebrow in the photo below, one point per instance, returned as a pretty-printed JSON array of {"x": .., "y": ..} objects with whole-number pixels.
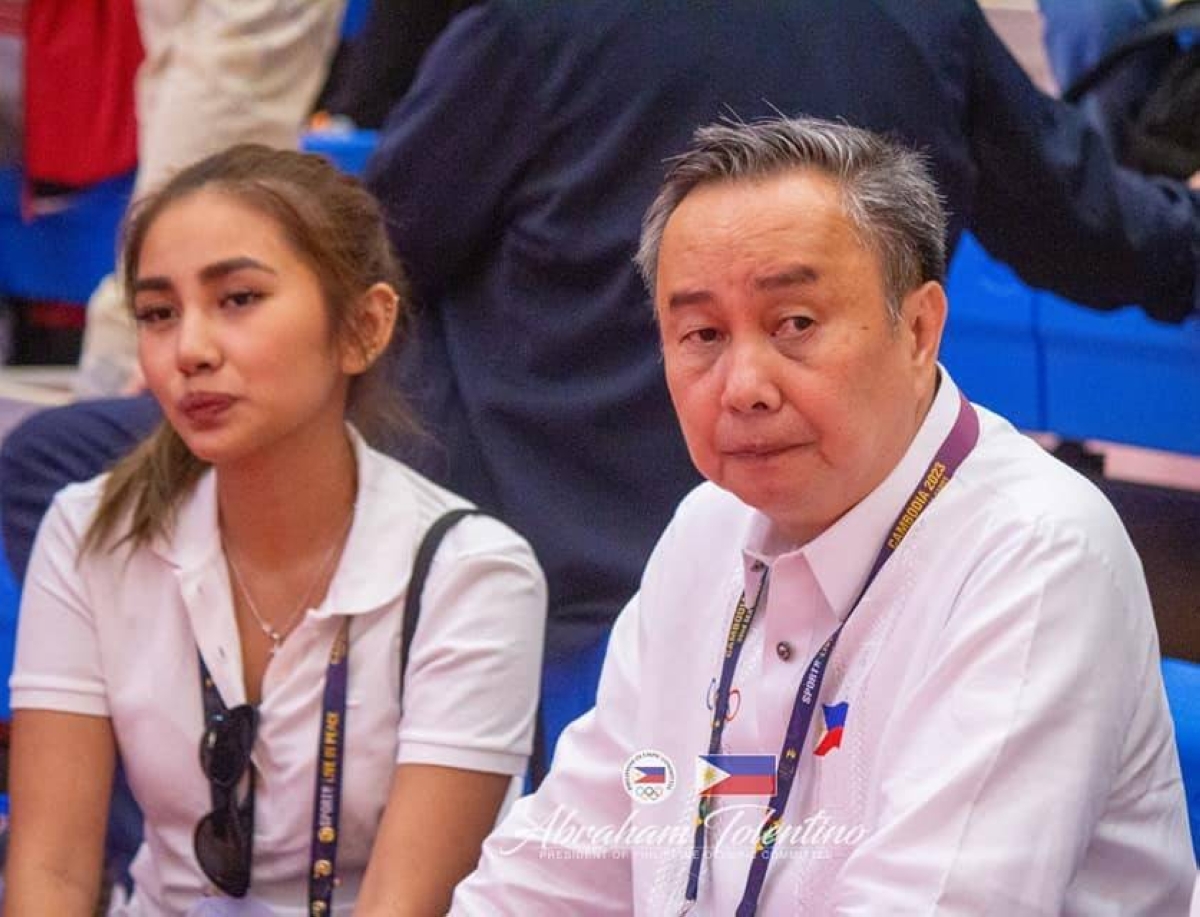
[
  {"x": 207, "y": 274},
  {"x": 219, "y": 269}
]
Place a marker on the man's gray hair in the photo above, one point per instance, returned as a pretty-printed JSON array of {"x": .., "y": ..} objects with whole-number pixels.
[{"x": 887, "y": 192}]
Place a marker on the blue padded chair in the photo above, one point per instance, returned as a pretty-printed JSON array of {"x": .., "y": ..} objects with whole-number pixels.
[
  {"x": 569, "y": 690},
  {"x": 1183, "y": 693}
]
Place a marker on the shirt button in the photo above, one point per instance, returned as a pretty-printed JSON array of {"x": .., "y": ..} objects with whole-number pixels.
[
  {"x": 758, "y": 566},
  {"x": 783, "y": 650}
]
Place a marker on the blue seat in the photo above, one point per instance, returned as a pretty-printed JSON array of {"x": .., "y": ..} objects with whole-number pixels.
[
  {"x": 990, "y": 344},
  {"x": 1120, "y": 376},
  {"x": 61, "y": 255},
  {"x": 569, "y": 690},
  {"x": 1049, "y": 364},
  {"x": 346, "y": 149},
  {"x": 1183, "y": 694}
]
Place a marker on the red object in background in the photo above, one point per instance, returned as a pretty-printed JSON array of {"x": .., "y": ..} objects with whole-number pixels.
[
  {"x": 81, "y": 57},
  {"x": 12, "y": 18},
  {"x": 56, "y": 316}
]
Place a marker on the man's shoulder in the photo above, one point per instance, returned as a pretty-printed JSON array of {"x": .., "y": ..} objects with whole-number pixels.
[
  {"x": 1018, "y": 487},
  {"x": 706, "y": 505},
  {"x": 708, "y": 522}
]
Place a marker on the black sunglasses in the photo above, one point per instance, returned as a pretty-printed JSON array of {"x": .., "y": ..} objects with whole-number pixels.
[{"x": 224, "y": 837}]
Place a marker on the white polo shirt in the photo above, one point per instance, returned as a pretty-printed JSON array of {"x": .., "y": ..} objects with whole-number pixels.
[
  {"x": 1007, "y": 747},
  {"x": 117, "y": 636}
]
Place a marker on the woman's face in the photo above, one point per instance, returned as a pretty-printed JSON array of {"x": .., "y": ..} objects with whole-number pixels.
[{"x": 234, "y": 337}]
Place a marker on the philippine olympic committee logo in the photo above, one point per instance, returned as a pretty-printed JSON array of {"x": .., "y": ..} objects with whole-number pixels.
[{"x": 649, "y": 776}]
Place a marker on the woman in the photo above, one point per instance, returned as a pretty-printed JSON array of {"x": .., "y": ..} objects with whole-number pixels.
[{"x": 190, "y": 607}]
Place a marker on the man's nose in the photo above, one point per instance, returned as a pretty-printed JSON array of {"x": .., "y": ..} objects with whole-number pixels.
[{"x": 750, "y": 379}]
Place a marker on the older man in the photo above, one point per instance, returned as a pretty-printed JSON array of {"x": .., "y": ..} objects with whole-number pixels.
[{"x": 892, "y": 658}]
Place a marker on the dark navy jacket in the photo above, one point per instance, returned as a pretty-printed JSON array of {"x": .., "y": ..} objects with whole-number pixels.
[{"x": 516, "y": 171}]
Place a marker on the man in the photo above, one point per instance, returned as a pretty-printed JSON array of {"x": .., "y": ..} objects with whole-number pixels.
[
  {"x": 982, "y": 731},
  {"x": 515, "y": 172},
  {"x": 517, "y": 168}
]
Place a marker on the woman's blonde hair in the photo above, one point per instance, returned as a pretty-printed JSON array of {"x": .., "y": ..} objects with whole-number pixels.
[{"x": 337, "y": 228}]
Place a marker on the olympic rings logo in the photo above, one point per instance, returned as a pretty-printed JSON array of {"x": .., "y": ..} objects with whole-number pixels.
[{"x": 735, "y": 701}]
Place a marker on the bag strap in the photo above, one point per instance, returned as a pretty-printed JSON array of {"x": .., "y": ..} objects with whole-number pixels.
[
  {"x": 1162, "y": 30},
  {"x": 416, "y": 583},
  {"x": 412, "y": 612}
]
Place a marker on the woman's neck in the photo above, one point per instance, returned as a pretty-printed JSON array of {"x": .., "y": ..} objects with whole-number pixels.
[{"x": 281, "y": 507}]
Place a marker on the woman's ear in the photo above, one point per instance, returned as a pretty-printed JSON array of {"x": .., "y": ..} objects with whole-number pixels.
[{"x": 372, "y": 324}]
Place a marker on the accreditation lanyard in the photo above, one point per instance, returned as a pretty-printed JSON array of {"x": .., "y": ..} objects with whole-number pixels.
[
  {"x": 322, "y": 876},
  {"x": 957, "y": 445}
]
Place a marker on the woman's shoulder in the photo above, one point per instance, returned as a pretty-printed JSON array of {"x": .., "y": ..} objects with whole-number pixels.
[
  {"x": 382, "y": 477},
  {"x": 76, "y": 504},
  {"x": 389, "y": 485}
]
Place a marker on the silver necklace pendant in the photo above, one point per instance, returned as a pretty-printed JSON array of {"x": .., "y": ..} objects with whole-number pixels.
[{"x": 274, "y": 634}]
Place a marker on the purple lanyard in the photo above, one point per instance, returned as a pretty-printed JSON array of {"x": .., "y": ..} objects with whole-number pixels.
[
  {"x": 322, "y": 875},
  {"x": 956, "y": 447}
]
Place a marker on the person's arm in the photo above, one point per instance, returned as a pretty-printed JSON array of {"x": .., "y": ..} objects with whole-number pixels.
[
  {"x": 455, "y": 144},
  {"x": 60, "y": 779},
  {"x": 1041, "y": 713},
  {"x": 543, "y": 859},
  {"x": 1054, "y": 205},
  {"x": 382, "y": 59},
  {"x": 433, "y": 827},
  {"x": 466, "y": 729},
  {"x": 63, "y": 751}
]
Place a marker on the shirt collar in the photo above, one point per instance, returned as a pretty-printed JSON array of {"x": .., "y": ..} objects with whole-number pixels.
[
  {"x": 375, "y": 563},
  {"x": 841, "y": 556}
]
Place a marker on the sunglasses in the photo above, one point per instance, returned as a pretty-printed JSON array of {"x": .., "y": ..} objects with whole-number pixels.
[{"x": 224, "y": 837}]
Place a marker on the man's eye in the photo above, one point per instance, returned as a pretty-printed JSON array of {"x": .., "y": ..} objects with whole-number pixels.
[
  {"x": 703, "y": 336},
  {"x": 795, "y": 324}
]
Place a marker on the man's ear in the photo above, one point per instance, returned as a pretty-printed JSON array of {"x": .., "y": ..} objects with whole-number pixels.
[
  {"x": 372, "y": 324},
  {"x": 924, "y": 318}
]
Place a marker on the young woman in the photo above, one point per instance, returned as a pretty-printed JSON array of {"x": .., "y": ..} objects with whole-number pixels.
[{"x": 193, "y": 607}]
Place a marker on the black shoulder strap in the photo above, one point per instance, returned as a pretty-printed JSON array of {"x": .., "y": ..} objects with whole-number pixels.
[
  {"x": 1162, "y": 30},
  {"x": 416, "y": 583},
  {"x": 412, "y": 612}
]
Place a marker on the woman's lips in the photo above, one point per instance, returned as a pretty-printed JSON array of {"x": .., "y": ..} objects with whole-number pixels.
[{"x": 205, "y": 408}]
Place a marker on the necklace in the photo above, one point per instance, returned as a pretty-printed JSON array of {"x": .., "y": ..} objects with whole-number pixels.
[{"x": 278, "y": 634}]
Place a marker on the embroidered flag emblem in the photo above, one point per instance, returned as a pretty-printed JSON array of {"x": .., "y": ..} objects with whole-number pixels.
[
  {"x": 835, "y": 725},
  {"x": 648, "y": 777},
  {"x": 735, "y": 775}
]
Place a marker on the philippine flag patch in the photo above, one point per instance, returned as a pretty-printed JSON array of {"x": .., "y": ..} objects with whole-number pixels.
[
  {"x": 835, "y": 725},
  {"x": 735, "y": 775}
]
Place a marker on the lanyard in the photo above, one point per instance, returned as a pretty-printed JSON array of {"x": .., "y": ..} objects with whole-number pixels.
[
  {"x": 958, "y": 444},
  {"x": 322, "y": 876}
]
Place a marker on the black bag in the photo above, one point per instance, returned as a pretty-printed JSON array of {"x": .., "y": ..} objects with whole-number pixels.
[{"x": 1163, "y": 135}]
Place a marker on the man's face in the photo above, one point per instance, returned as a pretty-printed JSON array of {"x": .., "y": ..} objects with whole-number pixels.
[{"x": 794, "y": 389}]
